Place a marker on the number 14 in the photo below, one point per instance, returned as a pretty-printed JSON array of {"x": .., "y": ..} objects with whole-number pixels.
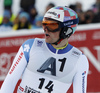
[{"x": 49, "y": 86}]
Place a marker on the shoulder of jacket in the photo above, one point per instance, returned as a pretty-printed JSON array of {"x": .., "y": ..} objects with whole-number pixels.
[
  {"x": 76, "y": 52},
  {"x": 39, "y": 42}
]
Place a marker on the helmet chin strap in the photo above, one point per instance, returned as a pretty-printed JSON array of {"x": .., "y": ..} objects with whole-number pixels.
[
  {"x": 65, "y": 32},
  {"x": 58, "y": 41}
]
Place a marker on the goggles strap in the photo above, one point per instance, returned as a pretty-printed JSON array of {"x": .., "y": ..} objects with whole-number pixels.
[{"x": 70, "y": 22}]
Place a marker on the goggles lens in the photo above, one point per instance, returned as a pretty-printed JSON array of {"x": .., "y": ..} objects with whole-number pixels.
[{"x": 50, "y": 25}]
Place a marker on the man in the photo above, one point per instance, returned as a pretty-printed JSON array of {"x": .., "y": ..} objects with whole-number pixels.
[{"x": 50, "y": 65}]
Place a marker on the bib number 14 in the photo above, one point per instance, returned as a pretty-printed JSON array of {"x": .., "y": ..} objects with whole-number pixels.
[{"x": 49, "y": 85}]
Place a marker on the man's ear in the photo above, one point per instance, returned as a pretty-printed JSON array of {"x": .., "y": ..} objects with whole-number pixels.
[{"x": 66, "y": 32}]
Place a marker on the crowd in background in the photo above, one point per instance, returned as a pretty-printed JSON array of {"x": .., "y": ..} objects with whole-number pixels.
[{"x": 29, "y": 18}]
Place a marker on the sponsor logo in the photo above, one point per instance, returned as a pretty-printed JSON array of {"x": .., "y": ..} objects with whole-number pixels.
[
  {"x": 39, "y": 43},
  {"x": 12, "y": 42},
  {"x": 21, "y": 89},
  {"x": 84, "y": 73},
  {"x": 30, "y": 90},
  {"x": 96, "y": 35},
  {"x": 66, "y": 18},
  {"x": 78, "y": 37},
  {"x": 52, "y": 13},
  {"x": 55, "y": 14},
  {"x": 26, "y": 47},
  {"x": 16, "y": 63},
  {"x": 83, "y": 81},
  {"x": 69, "y": 23},
  {"x": 75, "y": 53}
]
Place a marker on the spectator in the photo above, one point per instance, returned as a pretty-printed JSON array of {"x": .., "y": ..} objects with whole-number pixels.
[
  {"x": 81, "y": 17},
  {"x": 26, "y": 4},
  {"x": 89, "y": 16},
  {"x": 16, "y": 20},
  {"x": 8, "y": 4},
  {"x": 96, "y": 7},
  {"x": 96, "y": 10},
  {"x": 97, "y": 18},
  {"x": 12, "y": 18},
  {"x": 50, "y": 5},
  {"x": 6, "y": 25},
  {"x": 33, "y": 13},
  {"x": 72, "y": 6},
  {"x": 38, "y": 22},
  {"x": 79, "y": 6},
  {"x": 23, "y": 22}
]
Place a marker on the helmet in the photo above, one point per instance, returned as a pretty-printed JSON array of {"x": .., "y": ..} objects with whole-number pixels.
[{"x": 67, "y": 18}]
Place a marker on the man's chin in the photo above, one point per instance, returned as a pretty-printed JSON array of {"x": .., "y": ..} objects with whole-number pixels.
[{"x": 47, "y": 41}]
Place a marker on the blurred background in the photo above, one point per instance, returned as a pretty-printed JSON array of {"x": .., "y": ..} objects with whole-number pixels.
[
  {"x": 22, "y": 19},
  {"x": 42, "y": 5},
  {"x": 14, "y": 13}
]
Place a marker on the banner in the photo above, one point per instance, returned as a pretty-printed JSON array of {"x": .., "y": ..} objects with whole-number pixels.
[{"x": 86, "y": 38}]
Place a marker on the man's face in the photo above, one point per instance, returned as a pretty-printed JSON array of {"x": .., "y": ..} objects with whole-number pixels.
[
  {"x": 23, "y": 20},
  {"x": 50, "y": 37}
]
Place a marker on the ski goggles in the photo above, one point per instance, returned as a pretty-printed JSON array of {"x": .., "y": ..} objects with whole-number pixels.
[
  {"x": 54, "y": 26},
  {"x": 51, "y": 25}
]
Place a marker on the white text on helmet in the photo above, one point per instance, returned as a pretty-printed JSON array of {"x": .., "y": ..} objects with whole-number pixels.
[
  {"x": 52, "y": 13},
  {"x": 69, "y": 23}
]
